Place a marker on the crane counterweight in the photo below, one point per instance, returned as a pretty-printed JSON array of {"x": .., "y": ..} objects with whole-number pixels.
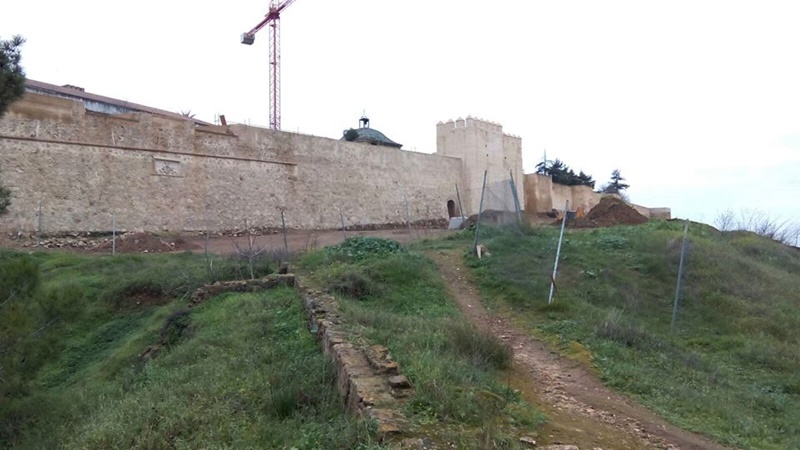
[{"x": 248, "y": 39}]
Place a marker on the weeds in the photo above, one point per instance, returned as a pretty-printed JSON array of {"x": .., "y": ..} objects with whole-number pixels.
[
  {"x": 730, "y": 369},
  {"x": 359, "y": 248},
  {"x": 398, "y": 300},
  {"x": 482, "y": 350}
]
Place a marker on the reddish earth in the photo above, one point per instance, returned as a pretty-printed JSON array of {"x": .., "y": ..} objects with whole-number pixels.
[
  {"x": 135, "y": 242},
  {"x": 609, "y": 212},
  {"x": 581, "y": 410}
]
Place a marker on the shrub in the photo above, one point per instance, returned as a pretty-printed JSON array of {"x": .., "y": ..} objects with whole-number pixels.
[{"x": 359, "y": 248}]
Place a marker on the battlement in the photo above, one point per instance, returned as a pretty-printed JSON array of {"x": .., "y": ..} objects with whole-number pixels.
[{"x": 473, "y": 122}]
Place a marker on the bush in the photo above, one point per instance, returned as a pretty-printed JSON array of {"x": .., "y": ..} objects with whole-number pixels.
[{"x": 359, "y": 248}]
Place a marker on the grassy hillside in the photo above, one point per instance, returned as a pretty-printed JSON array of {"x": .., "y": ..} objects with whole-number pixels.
[
  {"x": 732, "y": 368},
  {"x": 394, "y": 297},
  {"x": 240, "y": 371}
]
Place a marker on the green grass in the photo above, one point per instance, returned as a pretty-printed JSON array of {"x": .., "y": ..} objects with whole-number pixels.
[
  {"x": 399, "y": 300},
  {"x": 239, "y": 371},
  {"x": 731, "y": 370}
]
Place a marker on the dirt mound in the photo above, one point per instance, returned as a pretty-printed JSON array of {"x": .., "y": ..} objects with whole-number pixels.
[
  {"x": 139, "y": 242},
  {"x": 609, "y": 212}
]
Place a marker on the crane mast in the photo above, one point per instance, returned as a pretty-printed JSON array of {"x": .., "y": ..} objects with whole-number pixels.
[{"x": 272, "y": 20}]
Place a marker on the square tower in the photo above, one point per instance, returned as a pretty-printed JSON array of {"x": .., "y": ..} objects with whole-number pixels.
[{"x": 482, "y": 146}]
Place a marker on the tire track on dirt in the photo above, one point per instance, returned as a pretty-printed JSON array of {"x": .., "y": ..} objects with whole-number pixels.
[{"x": 582, "y": 411}]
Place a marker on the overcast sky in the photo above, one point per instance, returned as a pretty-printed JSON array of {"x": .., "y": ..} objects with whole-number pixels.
[{"x": 696, "y": 102}]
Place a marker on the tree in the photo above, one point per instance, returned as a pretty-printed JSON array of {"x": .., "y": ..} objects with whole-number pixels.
[
  {"x": 561, "y": 173},
  {"x": 616, "y": 185},
  {"x": 350, "y": 135},
  {"x": 5, "y": 199},
  {"x": 12, "y": 75}
]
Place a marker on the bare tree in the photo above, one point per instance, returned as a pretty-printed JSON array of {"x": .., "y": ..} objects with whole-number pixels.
[{"x": 760, "y": 223}]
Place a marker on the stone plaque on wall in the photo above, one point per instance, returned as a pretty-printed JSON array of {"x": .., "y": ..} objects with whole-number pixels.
[{"x": 168, "y": 167}]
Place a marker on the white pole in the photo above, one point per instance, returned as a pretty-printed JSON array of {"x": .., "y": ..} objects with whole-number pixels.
[
  {"x": 680, "y": 276},
  {"x": 558, "y": 252}
]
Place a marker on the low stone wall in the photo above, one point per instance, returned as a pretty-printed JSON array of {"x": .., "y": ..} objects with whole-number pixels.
[
  {"x": 368, "y": 379},
  {"x": 260, "y": 284}
]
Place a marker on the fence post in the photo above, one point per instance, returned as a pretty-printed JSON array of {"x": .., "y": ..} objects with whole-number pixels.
[
  {"x": 517, "y": 206},
  {"x": 113, "y": 234},
  {"x": 460, "y": 209},
  {"x": 285, "y": 241},
  {"x": 558, "y": 252},
  {"x": 480, "y": 213},
  {"x": 408, "y": 216},
  {"x": 680, "y": 277},
  {"x": 341, "y": 216},
  {"x": 39, "y": 219}
]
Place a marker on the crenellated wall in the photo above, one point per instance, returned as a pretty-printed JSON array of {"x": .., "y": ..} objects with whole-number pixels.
[
  {"x": 482, "y": 145},
  {"x": 162, "y": 173}
]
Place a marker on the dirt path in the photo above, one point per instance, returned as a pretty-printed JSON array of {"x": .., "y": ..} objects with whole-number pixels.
[{"x": 581, "y": 410}]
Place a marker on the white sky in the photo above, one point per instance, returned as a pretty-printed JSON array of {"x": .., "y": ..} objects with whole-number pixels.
[{"x": 696, "y": 102}]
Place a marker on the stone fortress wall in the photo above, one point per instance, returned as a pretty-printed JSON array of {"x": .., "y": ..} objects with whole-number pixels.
[
  {"x": 542, "y": 195},
  {"x": 165, "y": 173},
  {"x": 157, "y": 171}
]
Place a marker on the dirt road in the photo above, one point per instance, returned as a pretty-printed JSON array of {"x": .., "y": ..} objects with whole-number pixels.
[{"x": 581, "y": 410}]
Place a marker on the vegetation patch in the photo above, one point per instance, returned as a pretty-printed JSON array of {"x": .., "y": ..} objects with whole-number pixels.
[
  {"x": 359, "y": 248},
  {"x": 729, "y": 370},
  {"x": 401, "y": 303},
  {"x": 241, "y": 371}
]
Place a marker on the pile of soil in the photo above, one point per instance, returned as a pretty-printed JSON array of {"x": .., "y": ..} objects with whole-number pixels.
[
  {"x": 609, "y": 212},
  {"x": 139, "y": 242}
]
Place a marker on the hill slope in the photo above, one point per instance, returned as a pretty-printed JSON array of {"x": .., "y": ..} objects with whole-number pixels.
[{"x": 732, "y": 368}]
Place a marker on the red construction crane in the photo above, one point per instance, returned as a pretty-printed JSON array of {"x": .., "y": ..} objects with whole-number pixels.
[{"x": 273, "y": 19}]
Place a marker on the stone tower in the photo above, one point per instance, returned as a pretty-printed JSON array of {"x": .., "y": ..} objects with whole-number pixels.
[{"x": 482, "y": 145}]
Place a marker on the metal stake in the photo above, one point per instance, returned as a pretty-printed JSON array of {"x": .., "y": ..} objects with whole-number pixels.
[
  {"x": 558, "y": 252},
  {"x": 113, "y": 234},
  {"x": 285, "y": 241},
  {"x": 408, "y": 216},
  {"x": 39, "y": 234},
  {"x": 480, "y": 213},
  {"x": 680, "y": 277},
  {"x": 341, "y": 215},
  {"x": 460, "y": 209}
]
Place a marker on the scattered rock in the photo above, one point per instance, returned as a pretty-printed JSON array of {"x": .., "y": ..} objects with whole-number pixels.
[
  {"x": 417, "y": 444},
  {"x": 399, "y": 382},
  {"x": 284, "y": 268},
  {"x": 559, "y": 447},
  {"x": 381, "y": 360},
  {"x": 529, "y": 441}
]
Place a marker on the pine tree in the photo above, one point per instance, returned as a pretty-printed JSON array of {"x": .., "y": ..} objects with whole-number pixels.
[
  {"x": 12, "y": 75},
  {"x": 616, "y": 185}
]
